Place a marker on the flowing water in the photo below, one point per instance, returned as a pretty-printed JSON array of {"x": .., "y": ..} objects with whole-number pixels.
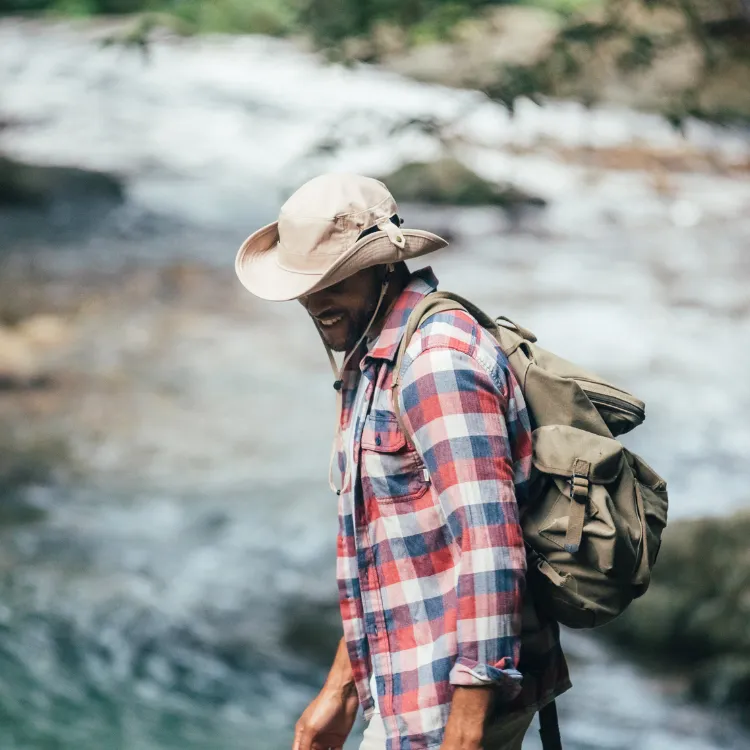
[{"x": 178, "y": 590}]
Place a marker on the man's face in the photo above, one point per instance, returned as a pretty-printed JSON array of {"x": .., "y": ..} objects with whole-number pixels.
[{"x": 342, "y": 311}]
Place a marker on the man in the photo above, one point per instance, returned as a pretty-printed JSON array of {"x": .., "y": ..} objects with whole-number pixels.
[{"x": 440, "y": 646}]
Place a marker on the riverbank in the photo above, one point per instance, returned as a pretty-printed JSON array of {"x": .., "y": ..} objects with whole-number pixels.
[
  {"x": 681, "y": 61},
  {"x": 328, "y": 24},
  {"x": 653, "y": 57}
]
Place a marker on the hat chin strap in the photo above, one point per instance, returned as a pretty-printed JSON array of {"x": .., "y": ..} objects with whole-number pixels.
[{"x": 338, "y": 385}]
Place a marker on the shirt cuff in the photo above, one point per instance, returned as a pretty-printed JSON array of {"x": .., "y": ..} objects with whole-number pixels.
[{"x": 503, "y": 675}]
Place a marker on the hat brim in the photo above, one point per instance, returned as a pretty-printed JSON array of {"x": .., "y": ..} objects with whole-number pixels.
[{"x": 257, "y": 263}]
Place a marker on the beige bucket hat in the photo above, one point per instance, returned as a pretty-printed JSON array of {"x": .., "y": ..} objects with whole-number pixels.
[{"x": 315, "y": 243}]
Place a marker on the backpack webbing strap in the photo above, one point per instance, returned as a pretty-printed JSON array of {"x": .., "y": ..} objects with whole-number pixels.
[
  {"x": 549, "y": 728},
  {"x": 579, "y": 497},
  {"x": 431, "y": 304}
]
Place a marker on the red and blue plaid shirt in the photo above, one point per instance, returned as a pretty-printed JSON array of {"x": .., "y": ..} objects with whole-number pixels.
[{"x": 431, "y": 561}]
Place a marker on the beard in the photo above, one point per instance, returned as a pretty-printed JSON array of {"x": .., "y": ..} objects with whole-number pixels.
[{"x": 344, "y": 336}]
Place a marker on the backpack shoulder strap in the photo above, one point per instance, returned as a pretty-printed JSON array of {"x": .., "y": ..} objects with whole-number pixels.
[
  {"x": 432, "y": 304},
  {"x": 549, "y": 727},
  {"x": 509, "y": 335}
]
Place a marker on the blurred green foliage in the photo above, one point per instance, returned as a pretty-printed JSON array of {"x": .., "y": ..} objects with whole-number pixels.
[
  {"x": 333, "y": 20},
  {"x": 74, "y": 6},
  {"x": 329, "y": 21},
  {"x": 22, "y": 6},
  {"x": 272, "y": 17}
]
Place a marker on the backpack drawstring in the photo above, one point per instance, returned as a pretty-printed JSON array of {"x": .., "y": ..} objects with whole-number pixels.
[{"x": 338, "y": 385}]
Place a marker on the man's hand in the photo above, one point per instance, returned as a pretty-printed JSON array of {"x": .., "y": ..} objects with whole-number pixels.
[
  {"x": 466, "y": 722},
  {"x": 327, "y": 721}
]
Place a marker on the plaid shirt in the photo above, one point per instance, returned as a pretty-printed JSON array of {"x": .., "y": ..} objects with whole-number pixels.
[{"x": 431, "y": 561}]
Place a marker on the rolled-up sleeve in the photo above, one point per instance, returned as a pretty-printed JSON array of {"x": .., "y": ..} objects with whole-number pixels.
[{"x": 454, "y": 409}]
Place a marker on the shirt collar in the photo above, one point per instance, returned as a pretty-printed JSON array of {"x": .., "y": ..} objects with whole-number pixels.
[{"x": 385, "y": 345}]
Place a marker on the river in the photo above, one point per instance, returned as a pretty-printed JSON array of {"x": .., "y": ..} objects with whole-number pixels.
[{"x": 176, "y": 589}]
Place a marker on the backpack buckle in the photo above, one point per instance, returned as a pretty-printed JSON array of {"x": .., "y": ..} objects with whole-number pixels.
[
  {"x": 579, "y": 494},
  {"x": 579, "y": 482},
  {"x": 579, "y": 488}
]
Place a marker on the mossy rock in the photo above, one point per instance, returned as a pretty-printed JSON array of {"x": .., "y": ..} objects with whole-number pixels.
[
  {"x": 25, "y": 461},
  {"x": 25, "y": 464},
  {"x": 38, "y": 186},
  {"x": 313, "y": 630},
  {"x": 697, "y": 610},
  {"x": 724, "y": 682},
  {"x": 448, "y": 182}
]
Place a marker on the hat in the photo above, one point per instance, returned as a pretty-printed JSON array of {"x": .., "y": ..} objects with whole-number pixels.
[{"x": 316, "y": 241}]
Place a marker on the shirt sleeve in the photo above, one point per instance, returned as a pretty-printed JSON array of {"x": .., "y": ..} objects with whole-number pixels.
[{"x": 456, "y": 413}]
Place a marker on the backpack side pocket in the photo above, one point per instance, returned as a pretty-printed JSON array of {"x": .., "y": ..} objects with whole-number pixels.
[{"x": 654, "y": 501}]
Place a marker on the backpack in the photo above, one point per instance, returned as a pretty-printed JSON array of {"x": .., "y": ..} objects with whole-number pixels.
[{"x": 595, "y": 511}]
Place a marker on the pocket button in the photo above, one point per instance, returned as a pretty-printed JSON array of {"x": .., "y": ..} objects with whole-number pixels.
[{"x": 378, "y": 440}]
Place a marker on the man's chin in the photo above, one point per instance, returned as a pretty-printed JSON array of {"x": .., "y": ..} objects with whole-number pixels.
[
  {"x": 337, "y": 343},
  {"x": 342, "y": 340}
]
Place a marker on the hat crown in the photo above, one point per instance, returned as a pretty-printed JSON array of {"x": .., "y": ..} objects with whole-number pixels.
[{"x": 324, "y": 218}]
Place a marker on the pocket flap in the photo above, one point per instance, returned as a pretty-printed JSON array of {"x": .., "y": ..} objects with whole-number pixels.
[
  {"x": 382, "y": 434},
  {"x": 556, "y": 448}
]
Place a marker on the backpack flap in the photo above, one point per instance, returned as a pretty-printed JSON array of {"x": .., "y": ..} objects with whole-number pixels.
[
  {"x": 557, "y": 448},
  {"x": 583, "y": 524}
]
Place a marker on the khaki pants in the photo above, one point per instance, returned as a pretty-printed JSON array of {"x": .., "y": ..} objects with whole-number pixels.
[{"x": 505, "y": 735}]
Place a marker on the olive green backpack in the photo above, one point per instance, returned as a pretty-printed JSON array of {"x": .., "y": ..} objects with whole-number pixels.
[{"x": 595, "y": 512}]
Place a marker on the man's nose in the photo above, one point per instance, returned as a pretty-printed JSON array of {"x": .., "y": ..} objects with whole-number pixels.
[{"x": 314, "y": 299}]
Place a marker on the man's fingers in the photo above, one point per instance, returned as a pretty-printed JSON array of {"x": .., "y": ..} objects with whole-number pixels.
[{"x": 302, "y": 740}]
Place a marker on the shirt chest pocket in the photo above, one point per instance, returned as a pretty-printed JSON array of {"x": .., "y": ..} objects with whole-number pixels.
[{"x": 392, "y": 471}]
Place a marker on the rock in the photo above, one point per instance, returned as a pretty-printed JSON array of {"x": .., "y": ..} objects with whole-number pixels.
[
  {"x": 479, "y": 46},
  {"x": 627, "y": 52},
  {"x": 21, "y": 506},
  {"x": 449, "y": 182},
  {"x": 648, "y": 18},
  {"x": 45, "y": 331},
  {"x": 388, "y": 39},
  {"x": 511, "y": 35},
  {"x": 312, "y": 629},
  {"x": 724, "y": 682},
  {"x": 38, "y": 186},
  {"x": 26, "y": 466},
  {"x": 697, "y": 609},
  {"x": 24, "y": 350},
  {"x": 18, "y": 363}
]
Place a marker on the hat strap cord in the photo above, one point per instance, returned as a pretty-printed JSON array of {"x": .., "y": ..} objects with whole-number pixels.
[{"x": 338, "y": 386}]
